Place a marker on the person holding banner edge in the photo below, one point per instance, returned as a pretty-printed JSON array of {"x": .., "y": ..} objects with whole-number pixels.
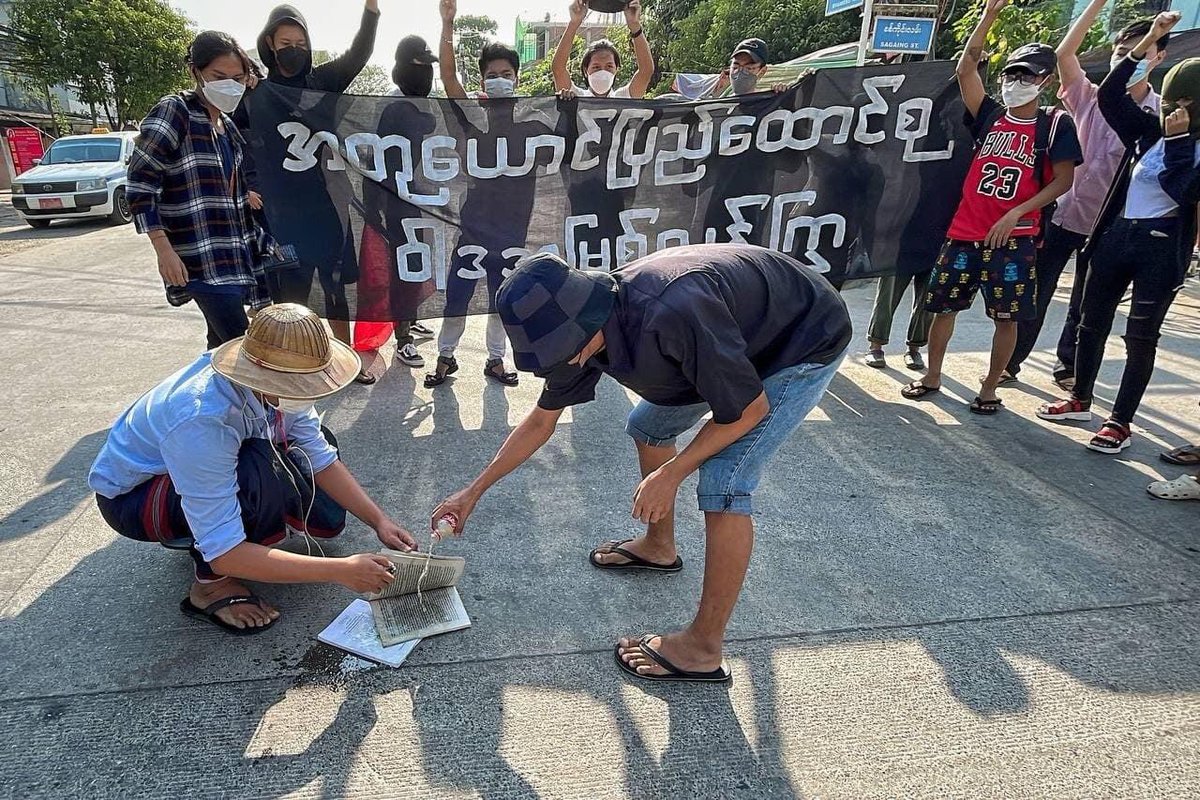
[
  {"x": 747, "y": 333},
  {"x": 322, "y": 239},
  {"x": 504, "y": 204},
  {"x": 1025, "y": 159},
  {"x": 601, "y": 61},
  {"x": 1103, "y": 154}
]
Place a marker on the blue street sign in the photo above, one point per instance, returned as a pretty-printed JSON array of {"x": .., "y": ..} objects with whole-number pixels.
[
  {"x": 838, "y": 6},
  {"x": 902, "y": 35}
]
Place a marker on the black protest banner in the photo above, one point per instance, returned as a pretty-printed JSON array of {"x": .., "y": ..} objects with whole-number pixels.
[{"x": 404, "y": 208}]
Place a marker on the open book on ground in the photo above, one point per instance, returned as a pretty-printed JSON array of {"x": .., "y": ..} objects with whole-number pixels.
[
  {"x": 422, "y": 599},
  {"x": 354, "y": 631}
]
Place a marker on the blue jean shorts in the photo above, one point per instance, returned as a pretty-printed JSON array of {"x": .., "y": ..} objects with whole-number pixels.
[{"x": 728, "y": 479}]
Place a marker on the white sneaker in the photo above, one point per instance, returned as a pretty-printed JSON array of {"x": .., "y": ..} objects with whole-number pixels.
[{"x": 409, "y": 357}]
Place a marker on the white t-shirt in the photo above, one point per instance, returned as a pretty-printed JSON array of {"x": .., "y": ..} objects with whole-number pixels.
[
  {"x": 1146, "y": 198},
  {"x": 620, "y": 94}
]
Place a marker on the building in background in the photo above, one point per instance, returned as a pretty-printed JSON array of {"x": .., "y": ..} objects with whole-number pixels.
[
  {"x": 24, "y": 104},
  {"x": 536, "y": 40}
]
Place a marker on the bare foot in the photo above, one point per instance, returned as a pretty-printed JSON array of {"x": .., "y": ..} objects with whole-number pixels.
[
  {"x": 678, "y": 648},
  {"x": 642, "y": 547},
  {"x": 241, "y": 615}
]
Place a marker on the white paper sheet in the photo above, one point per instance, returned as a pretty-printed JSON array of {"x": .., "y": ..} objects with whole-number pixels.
[{"x": 354, "y": 631}]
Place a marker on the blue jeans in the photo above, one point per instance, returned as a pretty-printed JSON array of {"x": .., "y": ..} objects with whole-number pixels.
[{"x": 728, "y": 479}]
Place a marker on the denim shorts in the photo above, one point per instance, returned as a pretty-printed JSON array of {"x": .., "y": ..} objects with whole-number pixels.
[{"x": 728, "y": 479}]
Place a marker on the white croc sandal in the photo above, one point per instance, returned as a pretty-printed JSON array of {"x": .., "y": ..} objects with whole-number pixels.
[{"x": 1185, "y": 487}]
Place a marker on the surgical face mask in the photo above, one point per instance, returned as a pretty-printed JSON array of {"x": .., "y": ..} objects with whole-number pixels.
[
  {"x": 601, "y": 81},
  {"x": 1139, "y": 72},
  {"x": 499, "y": 87},
  {"x": 743, "y": 81},
  {"x": 294, "y": 406},
  {"x": 292, "y": 59},
  {"x": 1016, "y": 94},
  {"x": 225, "y": 95}
]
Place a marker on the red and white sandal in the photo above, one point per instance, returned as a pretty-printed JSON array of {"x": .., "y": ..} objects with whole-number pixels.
[
  {"x": 1112, "y": 438},
  {"x": 1066, "y": 409}
]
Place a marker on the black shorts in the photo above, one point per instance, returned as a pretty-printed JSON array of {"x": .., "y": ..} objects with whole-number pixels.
[{"x": 1007, "y": 276}]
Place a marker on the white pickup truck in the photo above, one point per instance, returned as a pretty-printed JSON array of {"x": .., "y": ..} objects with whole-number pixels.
[{"x": 78, "y": 177}]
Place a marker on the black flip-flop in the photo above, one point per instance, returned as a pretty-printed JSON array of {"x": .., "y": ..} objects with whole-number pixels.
[
  {"x": 634, "y": 562},
  {"x": 721, "y": 674},
  {"x": 1006, "y": 379},
  {"x": 986, "y": 407},
  {"x": 1182, "y": 456},
  {"x": 209, "y": 614},
  {"x": 365, "y": 378},
  {"x": 917, "y": 390}
]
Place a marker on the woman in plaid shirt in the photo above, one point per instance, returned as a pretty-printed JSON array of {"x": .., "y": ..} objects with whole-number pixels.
[{"x": 188, "y": 194}]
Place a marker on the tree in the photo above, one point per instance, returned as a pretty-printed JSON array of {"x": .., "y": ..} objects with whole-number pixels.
[
  {"x": 473, "y": 31},
  {"x": 537, "y": 79},
  {"x": 1046, "y": 21},
  {"x": 702, "y": 40},
  {"x": 121, "y": 55},
  {"x": 373, "y": 80}
]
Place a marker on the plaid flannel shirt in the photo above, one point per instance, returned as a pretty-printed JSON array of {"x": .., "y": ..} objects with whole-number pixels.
[{"x": 177, "y": 185}]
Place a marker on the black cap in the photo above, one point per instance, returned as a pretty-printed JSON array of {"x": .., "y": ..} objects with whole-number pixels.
[
  {"x": 414, "y": 50},
  {"x": 755, "y": 48},
  {"x": 1037, "y": 58}
]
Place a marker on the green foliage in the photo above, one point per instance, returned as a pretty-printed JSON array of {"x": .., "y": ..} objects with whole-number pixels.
[
  {"x": 1045, "y": 21},
  {"x": 537, "y": 79},
  {"x": 698, "y": 36},
  {"x": 1126, "y": 11},
  {"x": 122, "y": 55},
  {"x": 473, "y": 31},
  {"x": 373, "y": 80}
]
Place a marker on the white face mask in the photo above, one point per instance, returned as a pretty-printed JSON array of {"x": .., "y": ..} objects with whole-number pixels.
[
  {"x": 294, "y": 406},
  {"x": 601, "y": 81},
  {"x": 225, "y": 95},
  {"x": 499, "y": 87},
  {"x": 1017, "y": 94}
]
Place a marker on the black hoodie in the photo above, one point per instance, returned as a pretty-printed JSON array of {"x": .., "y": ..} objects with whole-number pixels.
[{"x": 334, "y": 76}]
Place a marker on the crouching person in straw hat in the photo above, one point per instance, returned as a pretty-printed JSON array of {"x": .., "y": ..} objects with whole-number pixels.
[
  {"x": 228, "y": 454},
  {"x": 745, "y": 333}
]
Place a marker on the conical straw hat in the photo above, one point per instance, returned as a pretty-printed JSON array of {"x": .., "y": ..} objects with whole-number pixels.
[{"x": 287, "y": 352}]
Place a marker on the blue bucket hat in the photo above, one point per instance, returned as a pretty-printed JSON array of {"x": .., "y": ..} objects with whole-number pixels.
[{"x": 551, "y": 310}]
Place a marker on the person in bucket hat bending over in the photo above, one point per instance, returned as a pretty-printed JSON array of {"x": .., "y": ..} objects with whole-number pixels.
[
  {"x": 745, "y": 333},
  {"x": 227, "y": 456}
]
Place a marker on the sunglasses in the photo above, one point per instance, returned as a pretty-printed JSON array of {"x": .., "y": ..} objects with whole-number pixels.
[{"x": 1025, "y": 78}]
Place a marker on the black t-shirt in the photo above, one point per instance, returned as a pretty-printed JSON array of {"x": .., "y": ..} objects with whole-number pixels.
[{"x": 707, "y": 324}]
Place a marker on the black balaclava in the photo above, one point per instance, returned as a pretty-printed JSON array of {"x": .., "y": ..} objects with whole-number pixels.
[
  {"x": 415, "y": 80},
  {"x": 1183, "y": 81},
  {"x": 413, "y": 72}
]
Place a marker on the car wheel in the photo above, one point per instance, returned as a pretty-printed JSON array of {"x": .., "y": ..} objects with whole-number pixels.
[
  {"x": 38, "y": 223},
  {"x": 121, "y": 215}
]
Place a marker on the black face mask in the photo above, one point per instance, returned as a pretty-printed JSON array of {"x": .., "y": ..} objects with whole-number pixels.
[
  {"x": 415, "y": 80},
  {"x": 293, "y": 60}
]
